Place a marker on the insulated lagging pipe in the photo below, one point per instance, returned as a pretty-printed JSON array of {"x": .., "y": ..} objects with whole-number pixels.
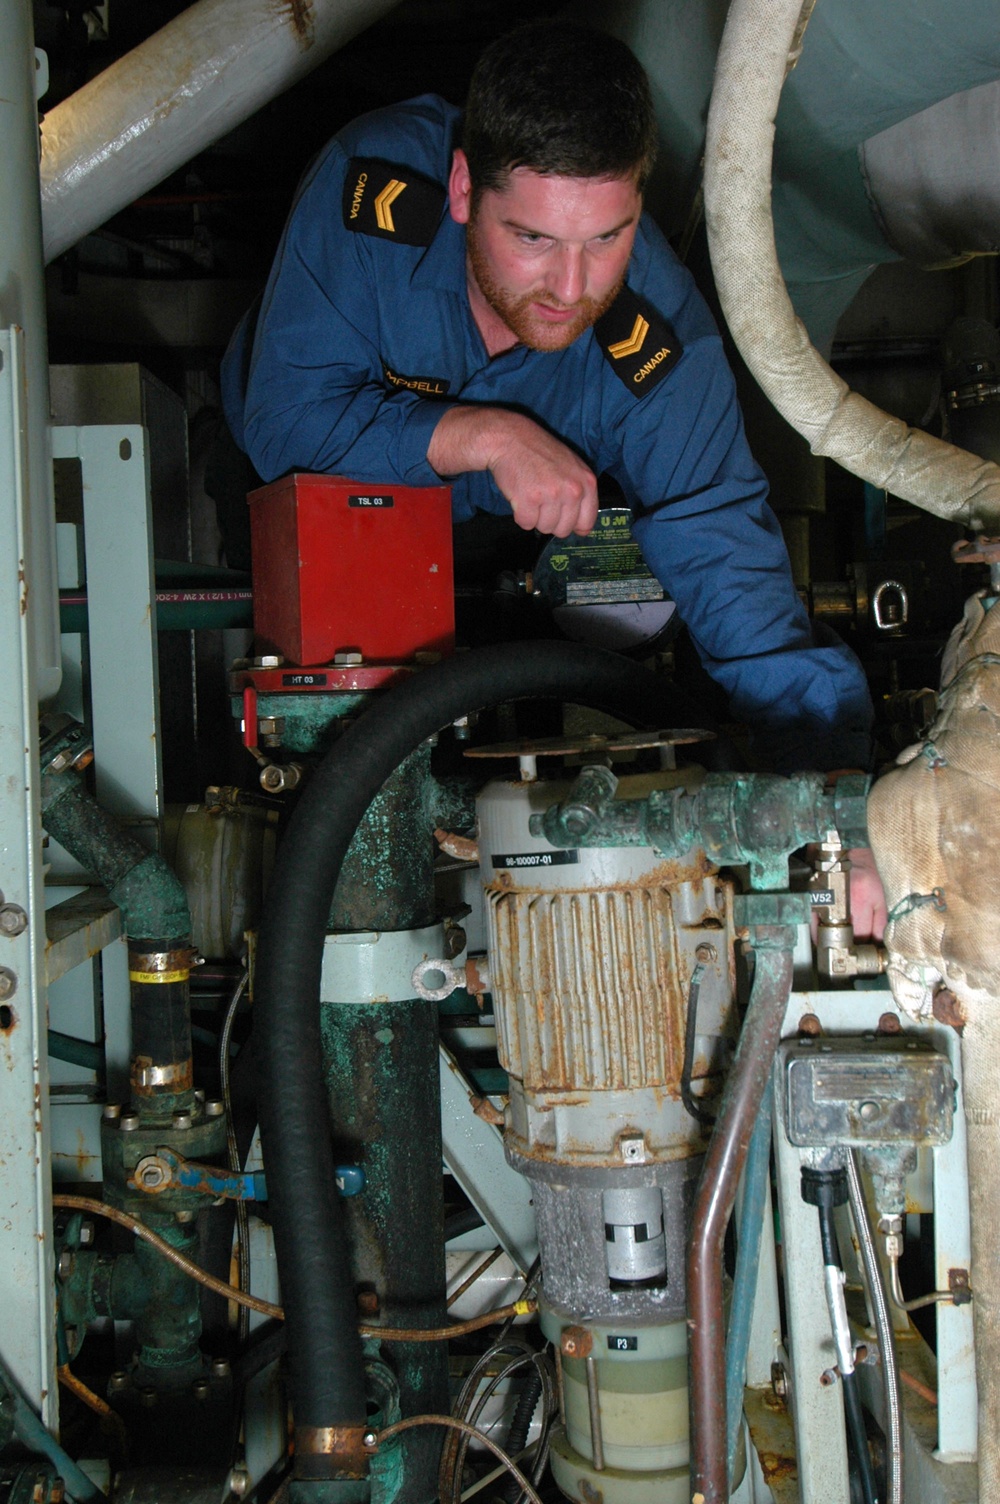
[
  {"x": 714, "y": 1201},
  {"x": 325, "y": 1364}
]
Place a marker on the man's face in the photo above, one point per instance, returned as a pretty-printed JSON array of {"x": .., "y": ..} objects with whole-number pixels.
[{"x": 547, "y": 255}]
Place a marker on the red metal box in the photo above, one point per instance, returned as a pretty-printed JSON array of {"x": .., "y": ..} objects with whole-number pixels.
[{"x": 339, "y": 566}]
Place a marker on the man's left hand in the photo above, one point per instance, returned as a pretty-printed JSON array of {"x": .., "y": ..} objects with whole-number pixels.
[{"x": 868, "y": 906}]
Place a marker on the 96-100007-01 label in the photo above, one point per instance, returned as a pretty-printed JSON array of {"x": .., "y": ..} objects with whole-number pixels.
[{"x": 536, "y": 859}]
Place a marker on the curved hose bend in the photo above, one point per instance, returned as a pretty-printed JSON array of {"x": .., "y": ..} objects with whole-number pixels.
[
  {"x": 757, "y": 46},
  {"x": 326, "y": 1375}
]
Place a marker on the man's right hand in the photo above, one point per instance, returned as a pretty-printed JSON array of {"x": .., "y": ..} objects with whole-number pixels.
[{"x": 548, "y": 486}]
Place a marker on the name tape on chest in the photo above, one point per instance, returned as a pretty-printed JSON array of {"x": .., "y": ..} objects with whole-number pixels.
[
  {"x": 638, "y": 343},
  {"x": 391, "y": 201},
  {"x": 426, "y": 386}
]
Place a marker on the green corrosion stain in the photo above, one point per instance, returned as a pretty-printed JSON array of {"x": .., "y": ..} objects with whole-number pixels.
[{"x": 384, "y": 1036}]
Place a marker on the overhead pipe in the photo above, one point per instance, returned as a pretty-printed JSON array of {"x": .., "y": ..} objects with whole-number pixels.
[
  {"x": 22, "y": 305},
  {"x": 211, "y": 68},
  {"x": 759, "y": 45}
]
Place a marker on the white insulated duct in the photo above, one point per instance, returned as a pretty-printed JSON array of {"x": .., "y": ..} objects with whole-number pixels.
[
  {"x": 154, "y": 109},
  {"x": 757, "y": 46}
]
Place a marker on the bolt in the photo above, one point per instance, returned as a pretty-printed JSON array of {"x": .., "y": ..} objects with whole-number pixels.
[
  {"x": 828, "y": 1376},
  {"x": 220, "y": 1368},
  {"x": 810, "y": 1025},
  {"x": 214, "y": 1108},
  {"x": 64, "y": 1267},
  {"x": 200, "y": 1388},
  {"x": 8, "y": 983},
  {"x": 779, "y": 1381},
  {"x": 185, "y": 1218},
  {"x": 869, "y": 1111},
  {"x": 367, "y": 1302},
  {"x": 129, "y": 1121},
  {"x": 13, "y": 920},
  {"x": 348, "y": 659},
  {"x": 889, "y": 1024},
  {"x": 706, "y": 954},
  {"x": 370, "y": 1440},
  {"x": 118, "y": 1382},
  {"x": 268, "y": 660},
  {"x": 182, "y": 1118},
  {"x": 112, "y": 1112},
  {"x": 151, "y": 1173},
  {"x": 86, "y": 1234},
  {"x": 147, "y": 1397},
  {"x": 576, "y": 1342}
]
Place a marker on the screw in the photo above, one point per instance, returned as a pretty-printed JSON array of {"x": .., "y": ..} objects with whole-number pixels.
[
  {"x": 8, "y": 983},
  {"x": 869, "y": 1111},
  {"x": 706, "y": 953},
  {"x": 183, "y": 1118},
  {"x": 129, "y": 1121},
  {"x": 633, "y": 1150},
  {"x": 828, "y": 1376},
  {"x": 370, "y": 1440}
]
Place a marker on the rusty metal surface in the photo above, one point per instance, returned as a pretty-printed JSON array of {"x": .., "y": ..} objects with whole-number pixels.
[
  {"x": 576, "y": 1342},
  {"x": 591, "y": 987},
  {"x": 773, "y": 1437}
]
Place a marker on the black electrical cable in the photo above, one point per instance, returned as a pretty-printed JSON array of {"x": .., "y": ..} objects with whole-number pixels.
[
  {"x": 326, "y": 1376},
  {"x": 699, "y": 1112}
]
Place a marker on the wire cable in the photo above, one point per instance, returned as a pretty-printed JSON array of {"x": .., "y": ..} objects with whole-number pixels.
[
  {"x": 265, "y": 1307},
  {"x": 473, "y": 1433}
]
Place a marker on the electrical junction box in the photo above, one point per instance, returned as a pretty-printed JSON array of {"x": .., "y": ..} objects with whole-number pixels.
[
  {"x": 340, "y": 566},
  {"x": 861, "y": 1092}
]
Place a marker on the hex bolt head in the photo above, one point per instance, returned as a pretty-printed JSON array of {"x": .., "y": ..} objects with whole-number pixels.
[
  {"x": 128, "y": 1122},
  {"x": 8, "y": 983},
  {"x": 13, "y": 920},
  {"x": 151, "y": 1173},
  {"x": 87, "y": 1234},
  {"x": 268, "y": 660},
  {"x": 348, "y": 659},
  {"x": 64, "y": 1267}
]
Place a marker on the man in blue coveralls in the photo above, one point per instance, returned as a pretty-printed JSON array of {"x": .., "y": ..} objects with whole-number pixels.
[{"x": 481, "y": 299}]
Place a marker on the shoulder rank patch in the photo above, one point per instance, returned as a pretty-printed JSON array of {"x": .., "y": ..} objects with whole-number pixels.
[
  {"x": 391, "y": 201},
  {"x": 638, "y": 343}
]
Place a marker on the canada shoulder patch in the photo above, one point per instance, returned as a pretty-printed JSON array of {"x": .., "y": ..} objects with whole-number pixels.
[
  {"x": 391, "y": 201},
  {"x": 638, "y": 343}
]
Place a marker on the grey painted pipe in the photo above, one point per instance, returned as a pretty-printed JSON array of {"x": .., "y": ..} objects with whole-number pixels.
[{"x": 211, "y": 68}]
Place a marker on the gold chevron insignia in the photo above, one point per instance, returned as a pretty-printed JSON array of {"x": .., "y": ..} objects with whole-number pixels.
[
  {"x": 633, "y": 344},
  {"x": 384, "y": 203}
]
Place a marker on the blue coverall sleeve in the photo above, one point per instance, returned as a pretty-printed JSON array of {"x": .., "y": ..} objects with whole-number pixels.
[
  {"x": 717, "y": 547},
  {"x": 315, "y": 397}
]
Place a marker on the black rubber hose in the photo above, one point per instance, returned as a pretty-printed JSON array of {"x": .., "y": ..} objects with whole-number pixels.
[
  {"x": 325, "y": 1363},
  {"x": 517, "y": 1436}
]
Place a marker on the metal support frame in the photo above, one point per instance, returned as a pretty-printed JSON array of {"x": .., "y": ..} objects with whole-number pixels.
[
  {"x": 27, "y": 1273},
  {"x": 938, "y": 1472}
]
